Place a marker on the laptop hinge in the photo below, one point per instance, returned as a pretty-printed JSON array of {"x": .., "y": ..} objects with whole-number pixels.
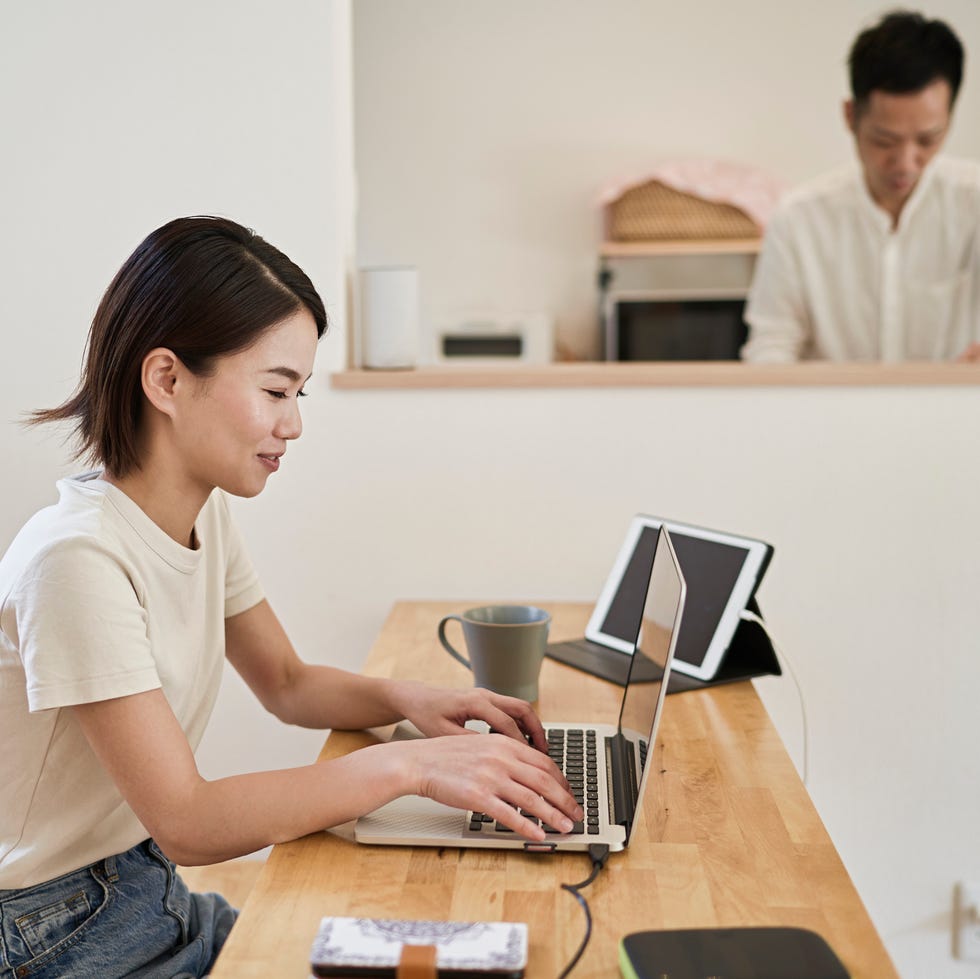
[{"x": 622, "y": 785}]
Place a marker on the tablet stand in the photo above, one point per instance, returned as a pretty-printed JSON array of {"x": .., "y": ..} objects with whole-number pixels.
[{"x": 749, "y": 654}]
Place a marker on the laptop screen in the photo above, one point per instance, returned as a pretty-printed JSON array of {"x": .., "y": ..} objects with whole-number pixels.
[
  {"x": 656, "y": 639},
  {"x": 712, "y": 567}
]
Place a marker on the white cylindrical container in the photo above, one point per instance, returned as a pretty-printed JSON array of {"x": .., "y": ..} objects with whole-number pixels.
[{"x": 389, "y": 316}]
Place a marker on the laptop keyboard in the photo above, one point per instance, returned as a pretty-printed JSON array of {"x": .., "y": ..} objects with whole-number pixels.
[{"x": 575, "y": 753}]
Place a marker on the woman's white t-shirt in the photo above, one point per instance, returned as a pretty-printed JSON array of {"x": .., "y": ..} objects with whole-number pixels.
[{"x": 97, "y": 602}]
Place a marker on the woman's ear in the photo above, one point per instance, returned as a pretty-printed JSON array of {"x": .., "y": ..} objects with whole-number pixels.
[{"x": 161, "y": 369}]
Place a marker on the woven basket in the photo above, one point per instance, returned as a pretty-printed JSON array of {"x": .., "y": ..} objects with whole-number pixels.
[{"x": 654, "y": 212}]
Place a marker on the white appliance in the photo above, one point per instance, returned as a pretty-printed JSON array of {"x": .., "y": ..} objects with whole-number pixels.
[
  {"x": 388, "y": 316},
  {"x": 492, "y": 338}
]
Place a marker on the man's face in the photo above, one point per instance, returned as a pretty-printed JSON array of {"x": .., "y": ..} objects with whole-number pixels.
[{"x": 896, "y": 136}]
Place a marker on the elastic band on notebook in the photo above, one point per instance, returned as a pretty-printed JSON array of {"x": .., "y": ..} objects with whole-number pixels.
[{"x": 417, "y": 962}]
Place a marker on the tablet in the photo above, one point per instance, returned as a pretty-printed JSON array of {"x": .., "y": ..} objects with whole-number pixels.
[{"x": 722, "y": 572}]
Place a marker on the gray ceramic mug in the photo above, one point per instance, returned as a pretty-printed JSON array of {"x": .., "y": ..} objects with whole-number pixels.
[{"x": 506, "y": 644}]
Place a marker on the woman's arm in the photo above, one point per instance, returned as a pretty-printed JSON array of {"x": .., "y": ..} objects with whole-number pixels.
[
  {"x": 322, "y": 696},
  {"x": 142, "y": 746}
]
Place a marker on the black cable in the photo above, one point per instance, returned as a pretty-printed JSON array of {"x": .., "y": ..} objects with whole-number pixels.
[{"x": 598, "y": 854}]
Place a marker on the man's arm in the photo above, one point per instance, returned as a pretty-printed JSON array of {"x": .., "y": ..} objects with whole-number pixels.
[
  {"x": 971, "y": 354},
  {"x": 776, "y": 312}
]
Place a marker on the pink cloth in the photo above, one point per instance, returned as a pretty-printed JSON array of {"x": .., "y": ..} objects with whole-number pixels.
[{"x": 750, "y": 189}]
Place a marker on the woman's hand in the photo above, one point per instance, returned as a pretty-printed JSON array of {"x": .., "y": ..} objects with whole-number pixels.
[
  {"x": 438, "y": 711},
  {"x": 490, "y": 773}
]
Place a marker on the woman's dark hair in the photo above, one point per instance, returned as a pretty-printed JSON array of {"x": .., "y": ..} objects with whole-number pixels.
[
  {"x": 202, "y": 287},
  {"x": 904, "y": 53}
]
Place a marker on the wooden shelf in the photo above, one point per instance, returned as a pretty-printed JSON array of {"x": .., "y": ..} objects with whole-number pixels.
[
  {"x": 659, "y": 374},
  {"x": 693, "y": 246}
]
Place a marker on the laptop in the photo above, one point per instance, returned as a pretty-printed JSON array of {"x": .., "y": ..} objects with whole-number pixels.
[{"x": 605, "y": 763}]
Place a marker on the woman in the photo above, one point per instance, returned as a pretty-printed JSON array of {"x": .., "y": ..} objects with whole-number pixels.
[{"x": 119, "y": 604}]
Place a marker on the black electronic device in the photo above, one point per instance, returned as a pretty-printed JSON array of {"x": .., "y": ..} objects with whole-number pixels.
[{"x": 729, "y": 953}]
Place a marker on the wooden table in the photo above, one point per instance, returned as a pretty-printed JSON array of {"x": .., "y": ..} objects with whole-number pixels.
[{"x": 728, "y": 837}]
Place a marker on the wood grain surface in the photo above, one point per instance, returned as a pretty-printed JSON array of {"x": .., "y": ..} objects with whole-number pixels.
[
  {"x": 727, "y": 837},
  {"x": 660, "y": 374}
]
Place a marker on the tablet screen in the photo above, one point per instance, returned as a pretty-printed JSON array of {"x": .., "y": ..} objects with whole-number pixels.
[{"x": 721, "y": 574}]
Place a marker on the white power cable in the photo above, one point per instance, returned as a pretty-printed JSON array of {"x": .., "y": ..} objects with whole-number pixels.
[{"x": 784, "y": 659}]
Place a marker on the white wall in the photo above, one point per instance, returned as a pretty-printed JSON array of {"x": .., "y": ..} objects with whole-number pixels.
[
  {"x": 119, "y": 116},
  {"x": 526, "y": 494},
  {"x": 494, "y": 125}
]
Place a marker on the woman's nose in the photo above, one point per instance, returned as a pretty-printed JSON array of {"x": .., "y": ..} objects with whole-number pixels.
[{"x": 290, "y": 424}]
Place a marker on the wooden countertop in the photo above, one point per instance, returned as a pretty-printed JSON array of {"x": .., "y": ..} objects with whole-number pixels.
[
  {"x": 658, "y": 374},
  {"x": 728, "y": 837}
]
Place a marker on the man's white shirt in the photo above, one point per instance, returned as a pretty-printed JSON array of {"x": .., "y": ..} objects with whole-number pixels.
[{"x": 836, "y": 281}]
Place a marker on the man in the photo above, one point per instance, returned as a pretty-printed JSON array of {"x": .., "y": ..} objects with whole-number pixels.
[{"x": 881, "y": 261}]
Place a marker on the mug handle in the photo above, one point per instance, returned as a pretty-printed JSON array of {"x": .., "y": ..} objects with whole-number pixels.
[{"x": 445, "y": 642}]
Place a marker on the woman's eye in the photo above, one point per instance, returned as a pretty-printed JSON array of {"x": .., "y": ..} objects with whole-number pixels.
[{"x": 284, "y": 394}]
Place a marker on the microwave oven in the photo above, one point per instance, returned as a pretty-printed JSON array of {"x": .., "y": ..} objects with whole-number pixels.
[
  {"x": 675, "y": 306},
  {"x": 669, "y": 325}
]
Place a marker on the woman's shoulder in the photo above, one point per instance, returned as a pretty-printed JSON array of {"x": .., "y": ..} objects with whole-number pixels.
[{"x": 75, "y": 530}]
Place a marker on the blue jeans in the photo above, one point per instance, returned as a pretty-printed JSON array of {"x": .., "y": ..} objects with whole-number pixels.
[{"x": 127, "y": 915}]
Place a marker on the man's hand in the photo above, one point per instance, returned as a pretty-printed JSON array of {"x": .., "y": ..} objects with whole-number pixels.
[{"x": 969, "y": 356}]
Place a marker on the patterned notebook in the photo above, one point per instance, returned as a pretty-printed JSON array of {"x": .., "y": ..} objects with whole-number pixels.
[{"x": 373, "y": 946}]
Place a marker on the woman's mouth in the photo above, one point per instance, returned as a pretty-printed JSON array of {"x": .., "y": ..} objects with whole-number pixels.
[{"x": 271, "y": 462}]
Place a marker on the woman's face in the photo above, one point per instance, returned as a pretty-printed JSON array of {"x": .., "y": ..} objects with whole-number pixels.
[{"x": 234, "y": 426}]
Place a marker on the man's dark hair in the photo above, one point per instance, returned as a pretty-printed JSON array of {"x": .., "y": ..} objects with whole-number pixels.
[
  {"x": 204, "y": 287},
  {"x": 904, "y": 53}
]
